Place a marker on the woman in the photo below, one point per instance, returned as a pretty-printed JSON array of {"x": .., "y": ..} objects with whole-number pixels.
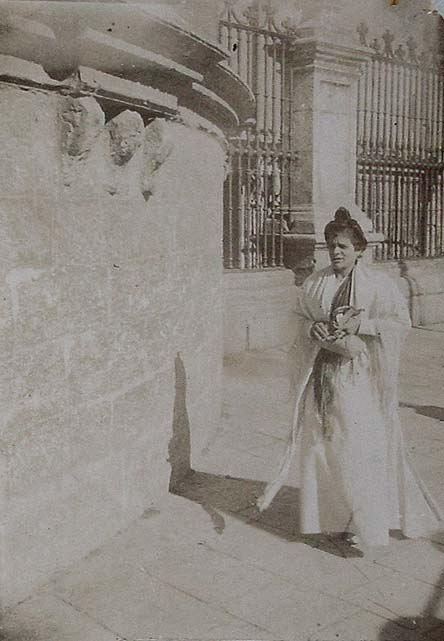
[{"x": 355, "y": 476}]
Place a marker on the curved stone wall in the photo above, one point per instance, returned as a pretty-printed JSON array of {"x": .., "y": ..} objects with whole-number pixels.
[{"x": 111, "y": 273}]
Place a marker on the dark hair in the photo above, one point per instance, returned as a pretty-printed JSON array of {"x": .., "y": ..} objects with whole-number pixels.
[{"x": 343, "y": 222}]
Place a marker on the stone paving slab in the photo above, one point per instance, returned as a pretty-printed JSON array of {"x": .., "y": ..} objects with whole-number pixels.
[
  {"x": 402, "y": 599},
  {"x": 48, "y": 618},
  {"x": 366, "y": 626}
]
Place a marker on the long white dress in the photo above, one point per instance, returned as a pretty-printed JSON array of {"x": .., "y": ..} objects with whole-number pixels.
[{"x": 354, "y": 471}]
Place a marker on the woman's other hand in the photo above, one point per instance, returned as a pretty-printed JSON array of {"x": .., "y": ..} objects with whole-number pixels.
[
  {"x": 352, "y": 325},
  {"x": 319, "y": 331}
]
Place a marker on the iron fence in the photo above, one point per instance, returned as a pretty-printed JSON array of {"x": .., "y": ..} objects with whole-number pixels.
[
  {"x": 262, "y": 155},
  {"x": 400, "y": 158}
]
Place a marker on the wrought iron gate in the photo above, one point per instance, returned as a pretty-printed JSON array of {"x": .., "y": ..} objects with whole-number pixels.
[
  {"x": 400, "y": 147},
  {"x": 262, "y": 156}
]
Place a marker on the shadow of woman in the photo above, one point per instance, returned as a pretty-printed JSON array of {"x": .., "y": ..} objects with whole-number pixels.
[
  {"x": 219, "y": 495},
  {"x": 427, "y": 620},
  {"x": 431, "y": 411}
]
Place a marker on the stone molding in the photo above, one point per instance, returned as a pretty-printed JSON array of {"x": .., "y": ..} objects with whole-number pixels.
[
  {"x": 122, "y": 54},
  {"x": 316, "y": 49}
]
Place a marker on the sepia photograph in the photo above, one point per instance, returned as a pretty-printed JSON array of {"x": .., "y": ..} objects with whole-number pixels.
[{"x": 222, "y": 320}]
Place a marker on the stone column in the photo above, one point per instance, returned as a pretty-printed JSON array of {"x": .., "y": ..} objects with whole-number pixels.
[{"x": 325, "y": 82}]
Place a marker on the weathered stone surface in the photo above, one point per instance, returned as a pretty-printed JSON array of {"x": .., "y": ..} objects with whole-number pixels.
[
  {"x": 258, "y": 310},
  {"x": 82, "y": 120},
  {"x": 125, "y": 131},
  {"x": 100, "y": 292},
  {"x": 156, "y": 149}
]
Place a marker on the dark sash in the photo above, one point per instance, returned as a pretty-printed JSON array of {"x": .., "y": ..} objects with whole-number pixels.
[{"x": 326, "y": 361}]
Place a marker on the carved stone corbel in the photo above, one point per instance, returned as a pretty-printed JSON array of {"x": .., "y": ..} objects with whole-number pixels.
[
  {"x": 156, "y": 149},
  {"x": 82, "y": 122},
  {"x": 126, "y": 136}
]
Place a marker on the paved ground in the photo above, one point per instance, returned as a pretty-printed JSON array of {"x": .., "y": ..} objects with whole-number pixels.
[{"x": 206, "y": 567}]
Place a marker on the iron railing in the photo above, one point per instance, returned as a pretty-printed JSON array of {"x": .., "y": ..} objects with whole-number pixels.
[
  {"x": 400, "y": 158},
  {"x": 262, "y": 156}
]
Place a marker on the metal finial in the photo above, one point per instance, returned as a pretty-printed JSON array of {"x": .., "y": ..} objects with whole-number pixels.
[
  {"x": 362, "y": 31},
  {"x": 388, "y": 38}
]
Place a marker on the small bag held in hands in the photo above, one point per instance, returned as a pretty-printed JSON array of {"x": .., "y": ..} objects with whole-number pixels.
[
  {"x": 341, "y": 316},
  {"x": 349, "y": 345}
]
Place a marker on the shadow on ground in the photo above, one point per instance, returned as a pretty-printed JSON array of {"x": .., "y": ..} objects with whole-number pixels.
[
  {"x": 431, "y": 411},
  {"x": 219, "y": 495},
  {"x": 427, "y": 620}
]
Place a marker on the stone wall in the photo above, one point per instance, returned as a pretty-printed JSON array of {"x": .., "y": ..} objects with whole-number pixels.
[
  {"x": 111, "y": 321},
  {"x": 258, "y": 309}
]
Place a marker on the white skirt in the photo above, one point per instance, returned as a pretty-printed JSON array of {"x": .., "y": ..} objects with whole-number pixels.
[{"x": 355, "y": 476}]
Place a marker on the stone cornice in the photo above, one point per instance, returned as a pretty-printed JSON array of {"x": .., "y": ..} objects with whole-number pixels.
[
  {"x": 123, "y": 53},
  {"x": 319, "y": 49},
  {"x": 89, "y": 82}
]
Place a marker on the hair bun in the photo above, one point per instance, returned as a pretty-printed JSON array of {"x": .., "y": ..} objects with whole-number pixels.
[{"x": 342, "y": 216}]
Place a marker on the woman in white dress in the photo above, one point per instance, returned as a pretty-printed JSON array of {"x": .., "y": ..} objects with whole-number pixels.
[{"x": 346, "y": 435}]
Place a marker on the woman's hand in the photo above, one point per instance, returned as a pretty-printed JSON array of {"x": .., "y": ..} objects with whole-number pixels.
[
  {"x": 352, "y": 325},
  {"x": 319, "y": 331},
  {"x": 347, "y": 321}
]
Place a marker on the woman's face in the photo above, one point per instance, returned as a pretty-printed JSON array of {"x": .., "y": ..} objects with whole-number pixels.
[{"x": 343, "y": 254}]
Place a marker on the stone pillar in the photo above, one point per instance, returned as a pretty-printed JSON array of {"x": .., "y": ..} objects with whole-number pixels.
[
  {"x": 325, "y": 81},
  {"x": 111, "y": 281}
]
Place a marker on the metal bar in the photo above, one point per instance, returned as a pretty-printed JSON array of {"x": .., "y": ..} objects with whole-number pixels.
[
  {"x": 408, "y": 153},
  {"x": 258, "y": 199},
  {"x": 378, "y": 154},
  {"x": 403, "y": 207},
  {"x": 440, "y": 160},
  {"x": 426, "y": 139},
  {"x": 388, "y": 228},
  {"x": 384, "y": 151},
  {"x": 230, "y": 209},
  {"x": 415, "y": 159},
  {"x": 241, "y": 208},
  {"x": 248, "y": 250},
  {"x": 369, "y": 174},
  {"x": 289, "y": 166},
  {"x": 427, "y": 212},
  {"x": 415, "y": 204},
  {"x": 358, "y": 135},
  {"x": 282, "y": 136},
  {"x": 283, "y": 64},
  {"x": 265, "y": 84},
  {"x": 273, "y": 94},
  {"x": 365, "y": 134},
  {"x": 256, "y": 79},
  {"x": 265, "y": 206},
  {"x": 423, "y": 115},
  {"x": 396, "y": 220},
  {"x": 434, "y": 211}
]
